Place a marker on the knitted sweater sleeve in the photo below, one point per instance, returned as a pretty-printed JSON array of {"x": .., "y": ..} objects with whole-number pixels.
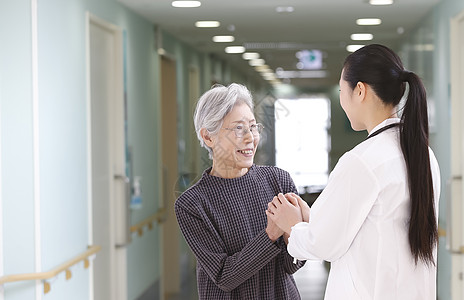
[{"x": 226, "y": 270}]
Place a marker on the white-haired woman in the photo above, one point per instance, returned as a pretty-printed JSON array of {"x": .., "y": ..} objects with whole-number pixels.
[{"x": 241, "y": 254}]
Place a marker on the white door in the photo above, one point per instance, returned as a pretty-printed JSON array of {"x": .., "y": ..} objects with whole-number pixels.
[
  {"x": 456, "y": 209},
  {"x": 107, "y": 225}
]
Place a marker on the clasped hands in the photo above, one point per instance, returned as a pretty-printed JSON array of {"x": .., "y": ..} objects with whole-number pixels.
[{"x": 284, "y": 211}]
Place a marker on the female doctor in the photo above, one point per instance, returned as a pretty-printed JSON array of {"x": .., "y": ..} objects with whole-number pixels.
[{"x": 376, "y": 221}]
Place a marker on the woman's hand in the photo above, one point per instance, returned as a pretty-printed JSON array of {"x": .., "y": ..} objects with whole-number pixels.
[
  {"x": 285, "y": 212},
  {"x": 273, "y": 231},
  {"x": 304, "y": 207}
]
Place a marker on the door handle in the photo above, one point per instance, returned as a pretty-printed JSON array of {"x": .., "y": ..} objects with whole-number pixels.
[
  {"x": 123, "y": 234},
  {"x": 122, "y": 177}
]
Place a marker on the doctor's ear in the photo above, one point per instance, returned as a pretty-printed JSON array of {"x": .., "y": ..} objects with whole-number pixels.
[
  {"x": 206, "y": 136},
  {"x": 360, "y": 88}
]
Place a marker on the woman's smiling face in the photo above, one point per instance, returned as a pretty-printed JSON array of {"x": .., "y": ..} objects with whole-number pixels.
[{"x": 232, "y": 154}]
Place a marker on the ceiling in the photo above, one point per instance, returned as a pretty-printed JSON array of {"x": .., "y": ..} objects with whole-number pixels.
[{"x": 325, "y": 25}]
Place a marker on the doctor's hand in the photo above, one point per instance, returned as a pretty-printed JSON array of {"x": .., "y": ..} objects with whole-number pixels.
[
  {"x": 304, "y": 207},
  {"x": 284, "y": 212}
]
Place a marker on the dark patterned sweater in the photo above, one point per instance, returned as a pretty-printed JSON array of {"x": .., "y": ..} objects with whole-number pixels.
[{"x": 224, "y": 221}]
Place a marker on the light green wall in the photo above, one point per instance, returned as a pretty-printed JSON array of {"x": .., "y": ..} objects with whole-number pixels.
[
  {"x": 16, "y": 145},
  {"x": 62, "y": 131},
  {"x": 442, "y": 140},
  {"x": 434, "y": 69},
  {"x": 143, "y": 258},
  {"x": 63, "y": 148},
  {"x": 63, "y": 90}
]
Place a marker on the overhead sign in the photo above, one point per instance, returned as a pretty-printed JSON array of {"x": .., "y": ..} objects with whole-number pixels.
[{"x": 309, "y": 59}]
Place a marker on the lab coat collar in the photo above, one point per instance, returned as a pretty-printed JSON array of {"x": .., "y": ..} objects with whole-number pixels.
[{"x": 385, "y": 123}]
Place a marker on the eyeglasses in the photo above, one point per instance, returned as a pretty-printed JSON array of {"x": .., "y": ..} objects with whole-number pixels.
[{"x": 241, "y": 130}]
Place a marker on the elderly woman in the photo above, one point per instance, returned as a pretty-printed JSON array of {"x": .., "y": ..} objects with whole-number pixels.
[{"x": 240, "y": 252}]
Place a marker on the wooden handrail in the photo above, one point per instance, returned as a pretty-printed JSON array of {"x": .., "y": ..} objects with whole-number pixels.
[
  {"x": 441, "y": 231},
  {"x": 52, "y": 273},
  {"x": 157, "y": 217}
]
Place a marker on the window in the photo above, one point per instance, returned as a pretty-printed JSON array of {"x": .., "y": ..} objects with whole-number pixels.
[{"x": 302, "y": 141}]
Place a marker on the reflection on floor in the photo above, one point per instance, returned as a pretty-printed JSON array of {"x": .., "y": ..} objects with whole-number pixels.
[{"x": 311, "y": 280}]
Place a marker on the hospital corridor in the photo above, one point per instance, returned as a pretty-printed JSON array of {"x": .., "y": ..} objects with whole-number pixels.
[{"x": 98, "y": 140}]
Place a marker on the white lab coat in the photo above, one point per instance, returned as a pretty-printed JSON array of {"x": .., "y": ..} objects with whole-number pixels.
[{"x": 360, "y": 224}]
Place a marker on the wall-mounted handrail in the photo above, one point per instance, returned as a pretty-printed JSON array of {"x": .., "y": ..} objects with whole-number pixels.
[
  {"x": 52, "y": 273},
  {"x": 157, "y": 217},
  {"x": 441, "y": 231}
]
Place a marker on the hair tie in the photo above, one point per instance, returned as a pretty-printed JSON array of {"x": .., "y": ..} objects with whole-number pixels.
[{"x": 404, "y": 76}]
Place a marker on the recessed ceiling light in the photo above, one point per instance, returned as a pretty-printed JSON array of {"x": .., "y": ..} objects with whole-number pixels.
[
  {"x": 369, "y": 21},
  {"x": 207, "y": 24},
  {"x": 186, "y": 3},
  {"x": 380, "y": 2},
  {"x": 223, "y": 38},
  {"x": 250, "y": 55},
  {"x": 256, "y": 62},
  {"x": 268, "y": 76},
  {"x": 353, "y": 48},
  {"x": 285, "y": 9},
  {"x": 235, "y": 49},
  {"x": 362, "y": 36},
  {"x": 263, "y": 69}
]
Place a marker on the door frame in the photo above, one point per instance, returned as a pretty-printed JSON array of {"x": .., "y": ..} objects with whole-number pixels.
[
  {"x": 456, "y": 208},
  {"x": 170, "y": 235},
  {"x": 117, "y": 232}
]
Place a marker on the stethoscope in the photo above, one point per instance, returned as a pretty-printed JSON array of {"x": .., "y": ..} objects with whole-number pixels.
[{"x": 382, "y": 130}]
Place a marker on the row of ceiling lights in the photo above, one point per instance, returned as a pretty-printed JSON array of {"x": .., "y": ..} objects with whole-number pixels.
[
  {"x": 185, "y": 3},
  {"x": 366, "y": 22},
  {"x": 253, "y": 57}
]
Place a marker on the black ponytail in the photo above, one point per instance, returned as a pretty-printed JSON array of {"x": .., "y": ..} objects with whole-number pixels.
[
  {"x": 380, "y": 68},
  {"x": 423, "y": 231}
]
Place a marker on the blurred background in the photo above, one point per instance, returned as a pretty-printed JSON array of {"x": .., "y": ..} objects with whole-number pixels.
[{"x": 97, "y": 138}]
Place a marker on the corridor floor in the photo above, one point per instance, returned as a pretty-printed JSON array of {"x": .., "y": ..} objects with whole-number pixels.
[{"x": 311, "y": 281}]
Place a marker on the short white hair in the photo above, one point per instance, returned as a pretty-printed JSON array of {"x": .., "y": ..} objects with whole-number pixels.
[{"x": 215, "y": 104}]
